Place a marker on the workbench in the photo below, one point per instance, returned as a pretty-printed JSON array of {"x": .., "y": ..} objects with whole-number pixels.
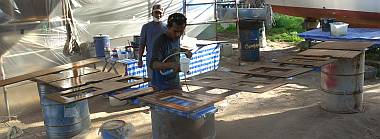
[
  {"x": 203, "y": 60},
  {"x": 353, "y": 34}
]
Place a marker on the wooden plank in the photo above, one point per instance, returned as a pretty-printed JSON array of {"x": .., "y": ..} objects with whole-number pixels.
[
  {"x": 48, "y": 71},
  {"x": 89, "y": 91},
  {"x": 197, "y": 101},
  {"x": 353, "y": 46},
  {"x": 305, "y": 61},
  {"x": 83, "y": 80},
  {"x": 253, "y": 84},
  {"x": 122, "y": 95},
  {"x": 66, "y": 74},
  {"x": 272, "y": 71},
  {"x": 330, "y": 53}
]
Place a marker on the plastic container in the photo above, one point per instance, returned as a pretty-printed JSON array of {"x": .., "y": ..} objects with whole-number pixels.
[
  {"x": 338, "y": 29},
  {"x": 101, "y": 42},
  {"x": 185, "y": 64}
]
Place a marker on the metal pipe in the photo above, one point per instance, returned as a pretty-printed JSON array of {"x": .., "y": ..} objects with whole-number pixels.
[
  {"x": 238, "y": 30},
  {"x": 5, "y": 89}
]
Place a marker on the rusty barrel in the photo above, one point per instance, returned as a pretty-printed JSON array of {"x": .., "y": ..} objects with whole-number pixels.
[{"x": 342, "y": 82}]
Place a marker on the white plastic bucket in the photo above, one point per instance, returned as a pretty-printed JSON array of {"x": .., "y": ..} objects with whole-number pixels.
[
  {"x": 185, "y": 64},
  {"x": 338, "y": 29}
]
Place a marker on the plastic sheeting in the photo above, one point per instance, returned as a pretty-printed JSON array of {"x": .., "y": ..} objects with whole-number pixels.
[{"x": 33, "y": 32}]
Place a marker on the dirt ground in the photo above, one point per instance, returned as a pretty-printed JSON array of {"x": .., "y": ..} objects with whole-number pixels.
[{"x": 288, "y": 112}]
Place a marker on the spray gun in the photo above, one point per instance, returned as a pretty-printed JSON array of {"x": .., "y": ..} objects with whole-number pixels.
[{"x": 184, "y": 64}]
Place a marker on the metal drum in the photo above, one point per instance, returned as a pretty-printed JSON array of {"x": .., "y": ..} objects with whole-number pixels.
[
  {"x": 168, "y": 125},
  {"x": 63, "y": 121},
  {"x": 343, "y": 81}
]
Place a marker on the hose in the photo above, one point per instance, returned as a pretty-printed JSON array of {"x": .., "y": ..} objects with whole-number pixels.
[{"x": 163, "y": 61}]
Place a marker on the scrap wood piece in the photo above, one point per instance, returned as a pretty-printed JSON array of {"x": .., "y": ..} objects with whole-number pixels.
[
  {"x": 48, "y": 71},
  {"x": 353, "y": 46},
  {"x": 254, "y": 86},
  {"x": 330, "y": 53},
  {"x": 89, "y": 91},
  {"x": 66, "y": 74},
  {"x": 210, "y": 81},
  {"x": 83, "y": 80},
  {"x": 124, "y": 95},
  {"x": 305, "y": 61},
  {"x": 272, "y": 71},
  {"x": 179, "y": 100}
]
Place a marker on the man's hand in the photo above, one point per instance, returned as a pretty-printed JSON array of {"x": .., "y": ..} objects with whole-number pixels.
[
  {"x": 188, "y": 54},
  {"x": 140, "y": 63},
  {"x": 176, "y": 67}
]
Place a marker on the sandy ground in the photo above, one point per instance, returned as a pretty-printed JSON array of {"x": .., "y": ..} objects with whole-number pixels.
[{"x": 289, "y": 112}]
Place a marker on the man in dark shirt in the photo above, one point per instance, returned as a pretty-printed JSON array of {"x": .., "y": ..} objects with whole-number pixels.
[{"x": 167, "y": 46}]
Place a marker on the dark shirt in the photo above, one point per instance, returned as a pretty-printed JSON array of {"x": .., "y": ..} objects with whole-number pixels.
[{"x": 164, "y": 47}]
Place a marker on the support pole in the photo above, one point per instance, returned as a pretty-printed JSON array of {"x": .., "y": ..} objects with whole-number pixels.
[{"x": 5, "y": 89}]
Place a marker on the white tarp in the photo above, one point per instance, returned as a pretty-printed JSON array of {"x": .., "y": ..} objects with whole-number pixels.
[{"x": 33, "y": 35}]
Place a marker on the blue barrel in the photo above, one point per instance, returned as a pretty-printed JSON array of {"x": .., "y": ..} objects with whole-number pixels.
[
  {"x": 101, "y": 42},
  {"x": 250, "y": 44},
  {"x": 116, "y": 129},
  {"x": 63, "y": 121}
]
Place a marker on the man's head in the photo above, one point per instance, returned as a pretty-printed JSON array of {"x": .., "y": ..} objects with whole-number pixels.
[
  {"x": 157, "y": 12},
  {"x": 176, "y": 25}
]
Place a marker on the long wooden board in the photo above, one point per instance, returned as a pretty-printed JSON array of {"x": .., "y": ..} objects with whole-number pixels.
[
  {"x": 272, "y": 71},
  {"x": 83, "y": 80},
  {"x": 253, "y": 84},
  {"x": 92, "y": 90},
  {"x": 197, "y": 101},
  {"x": 353, "y": 46},
  {"x": 122, "y": 95},
  {"x": 48, "y": 71},
  {"x": 330, "y": 53},
  {"x": 66, "y": 74},
  {"x": 305, "y": 61}
]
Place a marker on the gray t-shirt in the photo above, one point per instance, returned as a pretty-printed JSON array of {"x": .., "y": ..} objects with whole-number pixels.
[{"x": 149, "y": 32}]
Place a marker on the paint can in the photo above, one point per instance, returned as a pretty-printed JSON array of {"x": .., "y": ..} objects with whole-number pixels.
[{"x": 115, "y": 129}]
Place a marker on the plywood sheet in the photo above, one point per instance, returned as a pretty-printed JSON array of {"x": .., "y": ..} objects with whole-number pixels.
[
  {"x": 66, "y": 74},
  {"x": 83, "y": 80},
  {"x": 330, "y": 53},
  {"x": 179, "y": 100},
  {"x": 48, "y": 71},
  {"x": 353, "y": 46},
  {"x": 92, "y": 90},
  {"x": 305, "y": 61},
  {"x": 272, "y": 71}
]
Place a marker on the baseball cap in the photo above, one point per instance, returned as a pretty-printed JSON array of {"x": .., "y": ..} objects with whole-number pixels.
[{"x": 158, "y": 8}]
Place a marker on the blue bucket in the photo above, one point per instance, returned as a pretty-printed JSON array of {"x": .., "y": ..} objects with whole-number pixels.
[
  {"x": 101, "y": 42},
  {"x": 116, "y": 129}
]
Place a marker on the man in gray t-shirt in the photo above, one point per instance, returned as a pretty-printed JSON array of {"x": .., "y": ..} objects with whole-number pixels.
[{"x": 149, "y": 32}]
